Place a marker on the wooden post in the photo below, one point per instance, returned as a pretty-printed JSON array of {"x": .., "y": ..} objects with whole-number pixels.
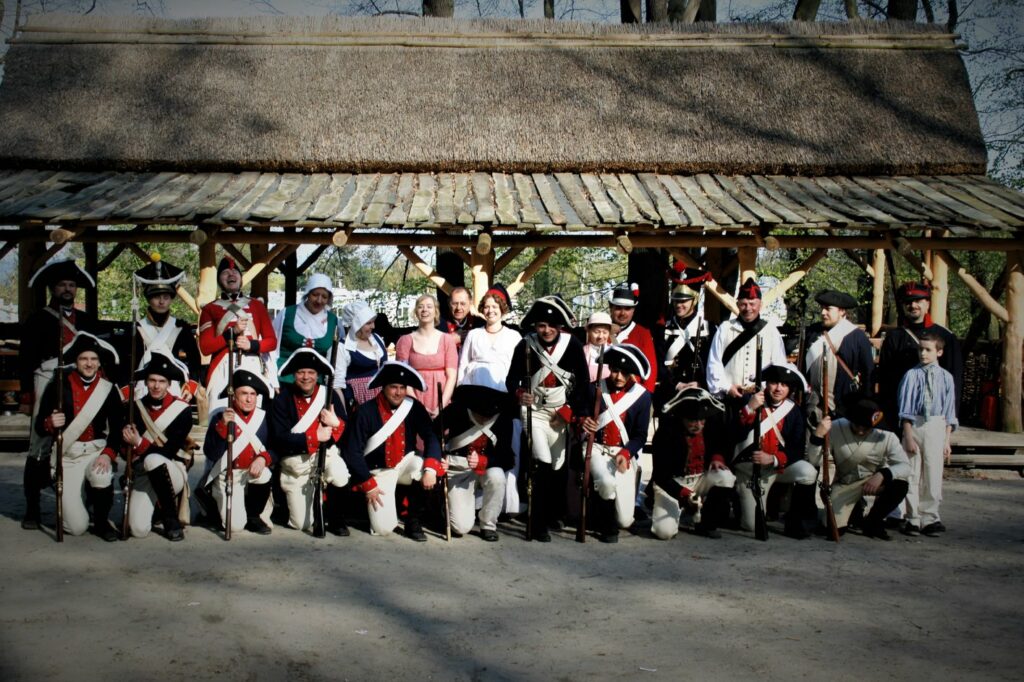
[
  {"x": 92, "y": 296},
  {"x": 940, "y": 289},
  {"x": 207, "y": 273},
  {"x": 877, "y": 292},
  {"x": 483, "y": 271},
  {"x": 291, "y": 279},
  {"x": 258, "y": 253},
  {"x": 28, "y": 301},
  {"x": 1013, "y": 343},
  {"x": 747, "y": 257}
]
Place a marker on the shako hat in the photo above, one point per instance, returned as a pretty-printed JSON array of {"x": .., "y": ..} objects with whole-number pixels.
[
  {"x": 749, "y": 290},
  {"x": 159, "y": 277},
  {"x": 625, "y": 295}
]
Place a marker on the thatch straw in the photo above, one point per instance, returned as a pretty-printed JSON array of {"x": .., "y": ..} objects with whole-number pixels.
[{"x": 552, "y": 96}]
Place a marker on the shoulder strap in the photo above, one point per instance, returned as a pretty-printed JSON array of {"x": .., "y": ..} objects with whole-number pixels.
[
  {"x": 744, "y": 337},
  {"x": 389, "y": 427}
]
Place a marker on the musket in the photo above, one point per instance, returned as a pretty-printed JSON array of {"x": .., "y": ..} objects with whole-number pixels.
[
  {"x": 760, "y": 523},
  {"x": 58, "y": 484},
  {"x": 316, "y": 476},
  {"x": 229, "y": 477},
  {"x": 581, "y": 527},
  {"x": 825, "y": 486},
  {"x": 531, "y": 469},
  {"x": 444, "y": 479},
  {"x": 801, "y": 348},
  {"x": 129, "y": 450}
]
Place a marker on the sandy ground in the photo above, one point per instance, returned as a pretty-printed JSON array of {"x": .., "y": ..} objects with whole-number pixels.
[{"x": 292, "y": 607}]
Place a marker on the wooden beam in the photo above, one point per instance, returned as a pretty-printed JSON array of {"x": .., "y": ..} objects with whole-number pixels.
[
  {"x": 7, "y": 248},
  {"x": 273, "y": 258},
  {"x": 92, "y": 297},
  {"x": 906, "y": 249},
  {"x": 973, "y": 285},
  {"x": 940, "y": 289},
  {"x": 861, "y": 263},
  {"x": 139, "y": 252},
  {"x": 237, "y": 254},
  {"x": 1013, "y": 343},
  {"x": 790, "y": 280},
  {"x": 877, "y": 292},
  {"x": 188, "y": 300},
  {"x": 523, "y": 277},
  {"x": 259, "y": 253},
  {"x": 463, "y": 255},
  {"x": 111, "y": 256},
  {"x": 711, "y": 286},
  {"x": 207, "y": 286},
  {"x": 746, "y": 258},
  {"x": 317, "y": 252},
  {"x": 503, "y": 261},
  {"x": 425, "y": 269}
]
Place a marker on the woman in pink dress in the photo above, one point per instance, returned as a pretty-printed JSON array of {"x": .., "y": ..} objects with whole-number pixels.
[{"x": 431, "y": 353}]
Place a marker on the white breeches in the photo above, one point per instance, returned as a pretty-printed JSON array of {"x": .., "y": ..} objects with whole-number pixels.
[
  {"x": 408, "y": 471},
  {"x": 549, "y": 444},
  {"x": 667, "y": 510},
  {"x": 143, "y": 502},
  {"x": 79, "y": 460},
  {"x": 612, "y": 484},
  {"x": 257, "y": 364},
  {"x": 801, "y": 472},
  {"x": 925, "y": 481},
  {"x": 240, "y": 478},
  {"x": 39, "y": 445},
  {"x": 462, "y": 498},
  {"x": 298, "y": 490},
  {"x": 512, "y": 502}
]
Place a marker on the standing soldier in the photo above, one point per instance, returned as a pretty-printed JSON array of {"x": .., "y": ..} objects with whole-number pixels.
[
  {"x": 478, "y": 447},
  {"x": 42, "y": 335},
  {"x": 307, "y": 415},
  {"x": 557, "y": 392},
  {"x": 252, "y": 461},
  {"x": 689, "y": 465},
  {"x": 161, "y": 331},
  {"x": 622, "y": 305},
  {"x": 620, "y": 431},
  {"x": 157, "y": 436},
  {"x": 380, "y": 450},
  {"x": 91, "y": 421},
  {"x": 850, "y": 360},
  {"x": 687, "y": 340},
  {"x": 240, "y": 320},
  {"x": 310, "y": 324}
]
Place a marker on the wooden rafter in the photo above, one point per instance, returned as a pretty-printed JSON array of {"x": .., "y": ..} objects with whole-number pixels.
[
  {"x": 977, "y": 288},
  {"x": 506, "y": 258},
  {"x": 311, "y": 259},
  {"x": 426, "y": 270},
  {"x": 237, "y": 254},
  {"x": 711, "y": 286},
  {"x": 906, "y": 249},
  {"x": 274, "y": 258},
  {"x": 188, "y": 299},
  {"x": 7, "y": 248},
  {"x": 790, "y": 280},
  {"x": 877, "y": 292},
  {"x": 65, "y": 236},
  {"x": 111, "y": 256},
  {"x": 523, "y": 277}
]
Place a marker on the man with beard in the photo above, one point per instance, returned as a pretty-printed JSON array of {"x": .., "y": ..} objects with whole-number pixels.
[
  {"x": 42, "y": 335},
  {"x": 622, "y": 306},
  {"x": 689, "y": 466},
  {"x": 557, "y": 393},
  {"x": 307, "y": 415},
  {"x": 380, "y": 451},
  {"x": 620, "y": 431},
  {"x": 91, "y": 421},
  {"x": 157, "y": 435},
  {"x": 850, "y": 360}
]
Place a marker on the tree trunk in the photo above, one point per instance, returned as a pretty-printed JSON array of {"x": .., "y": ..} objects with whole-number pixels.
[
  {"x": 439, "y": 8},
  {"x": 905, "y": 10},
  {"x": 657, "y": 10},
  {"x": 549, "y": 9},
  {"x": 630, "y": 11},
  {"x": 806, "y": 10},
  {"x": 708, "y": 11}
]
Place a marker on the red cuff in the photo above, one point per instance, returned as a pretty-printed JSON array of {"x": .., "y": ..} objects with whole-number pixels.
[
  {"x": 565, "y": 412},
  {"x": 628, "y": 455},
  {"x": 111, "y": 454},
  {"x": 141, "y": 447},
  {"x": 435, "y": 465},
  {"x": 746, "y": 416},
  {"x": 191, "y": 386},
  {"x": 265, "y": 456},
  {"x": 222, "y": 429},
  {"x": 337, "y": 431},
  {"x": 684, "y": 493},
  {"x": 126, "y": 393},
  {"x": 781, "y": 457},
  {"x": 367, "y": 485},
  {"x": 481, "y": 465},
  {"x": 48, "y": 424},
  {"x": 312, "y": 444}
]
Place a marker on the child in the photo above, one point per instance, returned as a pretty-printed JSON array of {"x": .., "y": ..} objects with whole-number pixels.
[{"x": 927, "y": 409}]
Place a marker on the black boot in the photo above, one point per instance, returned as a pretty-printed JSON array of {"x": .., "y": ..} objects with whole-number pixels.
[
  {"x": 891, "y": 495},
  {"x": 715, "y": 509},
  {"x": 801, "y": 507},
  {"x": 209, "y": 515},
  {"x": 256, "y": 497},
  {"x": 160, "y": 479},
  {"x": 417, "y": 506},
  {"x": 335, "y": 511},
  {"x": 102, "y": 501},
  {"x": 607, "y": 520},
  {"x": 36, "y": 477}
]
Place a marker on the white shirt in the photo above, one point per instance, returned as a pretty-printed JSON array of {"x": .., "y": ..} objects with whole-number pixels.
[
  {"x": 485, "y": 357},
  {"x": 743, "y": 365},
  {"x": 311, "y": 327}
]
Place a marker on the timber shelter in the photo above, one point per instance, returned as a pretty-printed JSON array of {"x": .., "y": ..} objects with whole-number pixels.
[{"x": 492, "y": 137}]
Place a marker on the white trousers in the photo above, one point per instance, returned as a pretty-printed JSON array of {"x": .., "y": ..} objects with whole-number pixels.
[
  {"x": 925, "y": 481},
  {"x": 295, "y": 473},
  {"x": 512, "y": 502},
  {"x": 240, "y": 478},
  {"x": 78, "y": 462},
  {"x": 668, "y": 511},
  {"x": 408, "y": 471},
  {"x": 801, "y": 472},
  {"x": 257, "y": 364},
  {"x": 39, "y": 445},
  {"x": 549, "y": 444},
  {"x": 462, "y": 498},
  {"x": 612, "y": 484},
  {"x": 143, "y": 502}
]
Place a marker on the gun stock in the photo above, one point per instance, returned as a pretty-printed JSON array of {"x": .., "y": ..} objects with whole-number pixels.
[
  {"x": 229, "y": 477},
  {"x": 528, "y": 438},
  {"x": 444, "y": 479},
  {"x": 826, "y": 483},
  {"x": 760, "y": 522}
]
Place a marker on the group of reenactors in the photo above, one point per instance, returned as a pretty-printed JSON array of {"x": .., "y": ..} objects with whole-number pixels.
[{"x": 732, "y": 416}]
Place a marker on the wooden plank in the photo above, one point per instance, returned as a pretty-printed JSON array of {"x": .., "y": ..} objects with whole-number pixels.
[
  {"x": 707, "y": 207},
  {"x": 406, "y": 190},
  {"x": 272, "y": 203},
  {"x": 602, "y": 203},
  {"x": 423, "y": 200},
  {"x": 855, "y": 203},
  {"x": 445, "y": 213},
  {"x": 464, "y": 204},
  {"x": 24, "y": 183},
  {"x": 353, "y": 208},
  {"x": 329, "y": 201},
  {"x": 618, "y": 194},
  {"x": 779, "y": 196},
  {"x": 384, "y": 197},
  {"x": 638, "y": 194},
  {"x": 982, "y": 191},
  {"x": 693, "y": 215},
  {"x": 528, "y": 201},
  {"x": 232, "y": 191},
  {"x": 962, "y": 195},
  {"x": 76, "y": 204},
  {"x": 790, "y": 217},
  {"x": 853, "y": 189},
  {"x": 881, "y": 187},
  {"x": 138, "y": 195},
  {"x": 968, "y": 213},
  {"x": 747, "y": 201},
  {"x": 797, "y": 193},
  {"x": 934, "y": 212},
  {"x": 714, "y": 192},
  {"x": 1009, "y": 195},
  {"x": 548, "y": 198},
  {"x": 170, "y": 197},
  {"x": 505, "y": 203},
  {"x": 41, "y": 194},
  {"x": 572, "y": 188},
  {"x": 662, "y": 202},
  {"x": 210, "y": 184},
  {"x": 298, "y": 208},
  {"x": 827, "y": 200},
  {"x": 482, "y": 194},
  {"x": 238, "y": 210}
]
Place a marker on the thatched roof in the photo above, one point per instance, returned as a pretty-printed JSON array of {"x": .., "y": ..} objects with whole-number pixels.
[{"x": 391, "y": 95}]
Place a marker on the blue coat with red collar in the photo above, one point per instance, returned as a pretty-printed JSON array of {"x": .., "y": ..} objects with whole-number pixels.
[
  {"x": 284, "y": 414},
  {"x": 636, "y": 418}
]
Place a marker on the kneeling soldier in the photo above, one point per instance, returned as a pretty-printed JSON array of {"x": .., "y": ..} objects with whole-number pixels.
[
  {"x": 307, "y": 415},
  {"x": 252, "y": 461},
  {"x": 160, "y": 426},
  {"x": 91, "y": 419},
  {"x": 478, "y": 446},
  {"x": 380, "y": 450},
  {"x": 620, "y": 428},
  {"x": 689, "y": 469},
  {"x": 868, "y": 461}
]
